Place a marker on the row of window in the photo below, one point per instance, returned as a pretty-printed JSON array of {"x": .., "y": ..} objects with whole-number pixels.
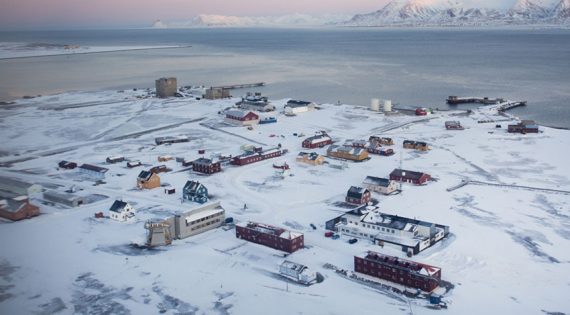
[
  {"x": 205, "y": 218},
  {"x": 197, "y": 227},
  {"x": 374, "y": 227}
]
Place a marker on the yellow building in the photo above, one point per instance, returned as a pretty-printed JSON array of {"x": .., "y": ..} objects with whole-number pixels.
[
  {"x": 148, "y": 180},
  {"x": 310, "y": 158}
]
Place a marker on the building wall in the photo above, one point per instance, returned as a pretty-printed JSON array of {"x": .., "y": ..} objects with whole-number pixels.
[
  {"x": 166, "y": 87},
  {"x": 153, "y": 182},
  {"x": 27, "y": 211},
  {"x": 269, "y": 240},
  {"x": 207, "y": 169},
  {"x": 184, "y": 230},
  {"x": 397, "y": 275}
]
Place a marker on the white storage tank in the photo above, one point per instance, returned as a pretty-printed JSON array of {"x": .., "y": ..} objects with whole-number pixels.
[
  {"x": 375, "y": 105},
  {"x": 388, "y": 105}
]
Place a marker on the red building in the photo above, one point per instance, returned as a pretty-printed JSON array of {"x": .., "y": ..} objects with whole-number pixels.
[
  {"x": 405, "y": 176},
  {"x": 271, "y": 236},
  {"x": 357, "y": 195},
  {"x": 525, "y": 126},
  {"x": 256, "y": 156},
  {"x": 317, "y": 141},
  {"x": 421, "y": 112},
  {"x": 206, "y": 166},
  {"x": 17, "y": 208},
  {"x": 394, "y": 269},
  {"x": 242, "y": 117}
]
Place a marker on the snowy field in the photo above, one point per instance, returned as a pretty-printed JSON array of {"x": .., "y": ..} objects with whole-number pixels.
[
  {"x": 506, "y": 254},
  {"x": 10, "y": 50}
]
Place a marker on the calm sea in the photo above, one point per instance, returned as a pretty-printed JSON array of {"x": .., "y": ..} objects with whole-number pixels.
[{"x": 412, "y": 67}]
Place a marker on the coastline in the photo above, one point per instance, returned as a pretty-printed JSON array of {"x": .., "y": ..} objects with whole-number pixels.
[{"x": 101, "y": 51}]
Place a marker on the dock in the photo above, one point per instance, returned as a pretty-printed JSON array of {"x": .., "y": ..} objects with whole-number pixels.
[
  {"x": 240, "y": 86},
  {"x": 510, "y": 105},
  {"x": 454, "y": 100}
]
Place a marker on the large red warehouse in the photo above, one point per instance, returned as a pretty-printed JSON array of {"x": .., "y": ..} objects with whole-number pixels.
[{"x": 270, "y": 236}]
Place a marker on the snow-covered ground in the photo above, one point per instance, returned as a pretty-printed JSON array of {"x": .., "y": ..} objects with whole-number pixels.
[
  {"x": 507, "y": 252},
  {"x": 10, "y": 50}
]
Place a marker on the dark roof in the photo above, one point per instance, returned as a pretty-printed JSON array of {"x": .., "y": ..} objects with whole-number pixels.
[
  {"x": 408, "y": 174},
  {"x": 192, "y": 186},
  {"x": 356, "y": 192},
  {"x": 203, "y": 161},
  {"x": 118, "y": 205},
  {"x": 409, "y": 141},
  {"x": 296, "y": 103},
  {"x": 145, "y": 175},
  {"x": 94, "y": 168},
  {"x": 385, "y": 182}
]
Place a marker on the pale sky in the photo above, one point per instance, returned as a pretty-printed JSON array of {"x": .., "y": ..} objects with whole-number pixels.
[
  {"x": 15, "y": 14},
  {"x": 50, "y": 14}
]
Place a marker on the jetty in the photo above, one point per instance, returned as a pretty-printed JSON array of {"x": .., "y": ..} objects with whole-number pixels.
[
  {"x": 240, "y": 86},
  {"x": 454, "y": 100},
  {"x": 510, "y": 105}
]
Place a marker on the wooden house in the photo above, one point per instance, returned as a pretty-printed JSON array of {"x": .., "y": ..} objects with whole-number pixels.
[
  {"x": 312, "y": 158},
  {"x": 347, "y": 153},
  {"x": 317, "y": 141},
  {"x": 148, "y": 180},
  {"x": 195, "y": 191},
  {"x": 256, "y": 155},
  {"x": 406, "y": 176},
  {"x": 297, "y": 272},
  {"x": 381, "y": 185},
  {"x": 67, "y": 165},
  {"x": 270, "y": 236},
  {"x": 525, "y": 126},
  {"x": 17, "y": 207},
  {"x": 159, "y": 169},
  {"x": 115, "y": 159},
  {"x": 165, "y": 158},
  {"x": 132, "y": 164},
  {"x": 405, "y": 272},
  {"x": 242, "y": 118},
  {"x": 380, "y": 150},
  {"x": 416, "y": 145},
  {"x": 357, "y": 195},
  {"x": 206, "y": 166},
  {"x": 453, "y": 125},
  {"x": 121, "y": 211},
  {"x": 381, "y": 140}
]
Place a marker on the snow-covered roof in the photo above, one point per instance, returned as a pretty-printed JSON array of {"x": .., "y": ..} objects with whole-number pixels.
[
  {"x": 377, "y": 181},
  {"x": 407, "y": 174},
  {"x": 396, "y": 262},
  {"x": 199, "y": 214},
  {"x": 298, "y": 268},
  {"x": 94, "y": 168}
]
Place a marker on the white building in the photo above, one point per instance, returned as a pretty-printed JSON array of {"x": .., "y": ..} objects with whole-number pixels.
[
  {"x": 380, "y": 185},
  {"x": 409, "y": 235},
  {"x": 297, "y": 272},
  {"x": 121, "y": 211},
  {"x": 295, "y": 107}
]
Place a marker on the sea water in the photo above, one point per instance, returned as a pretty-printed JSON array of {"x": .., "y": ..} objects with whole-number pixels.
[{"x": 412, "y": 67}]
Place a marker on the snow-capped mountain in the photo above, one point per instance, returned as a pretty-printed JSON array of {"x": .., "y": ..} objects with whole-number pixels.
[
  {"x": 456, "y": 12},
  {"x": 527, "y": 9},
  {"x": 562, "y": 10},
  {"x": 209, "y": 20}
]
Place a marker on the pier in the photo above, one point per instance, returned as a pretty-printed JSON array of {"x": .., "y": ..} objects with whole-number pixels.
[
  {"x": 510, "y": 105},
  {"x": 454, "y": 100},
  {"x": 240, "y": 86}
]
